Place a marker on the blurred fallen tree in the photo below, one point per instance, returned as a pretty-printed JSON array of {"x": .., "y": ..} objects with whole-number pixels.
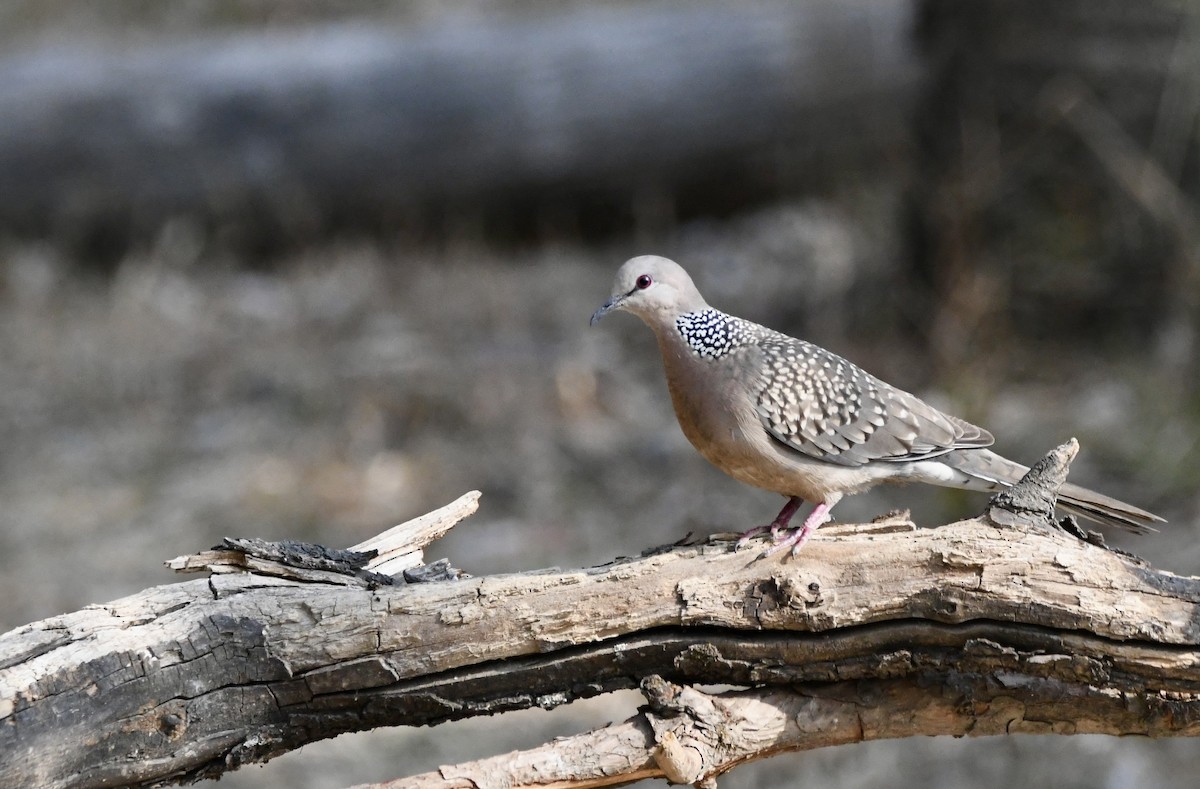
[
  {"x": 877, "y": 631},
  {"x": 277, "y": 139}
]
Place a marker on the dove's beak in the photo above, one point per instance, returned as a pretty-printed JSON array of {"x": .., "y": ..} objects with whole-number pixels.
[{"x": 612, "y": 304}]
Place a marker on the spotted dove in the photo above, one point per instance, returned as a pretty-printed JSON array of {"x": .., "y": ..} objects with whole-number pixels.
[{"x": 788, "y": 416}]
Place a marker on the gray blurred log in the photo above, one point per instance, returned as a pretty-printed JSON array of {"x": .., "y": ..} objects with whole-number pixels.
[{"x": 309, "y": 130}]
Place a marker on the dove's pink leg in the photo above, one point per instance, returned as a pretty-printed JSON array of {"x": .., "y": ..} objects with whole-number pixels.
[
  {"x": 774, "y": 527},
  {"x": 819, "y": 515}
]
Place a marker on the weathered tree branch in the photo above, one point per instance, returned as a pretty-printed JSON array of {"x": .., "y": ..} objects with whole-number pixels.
[
  {"x": 689, "y": 736},
  {"x": 877, "y": 630}
]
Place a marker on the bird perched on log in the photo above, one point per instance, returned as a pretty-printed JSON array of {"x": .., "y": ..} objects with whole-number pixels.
[{"x": 788, "y": 416}]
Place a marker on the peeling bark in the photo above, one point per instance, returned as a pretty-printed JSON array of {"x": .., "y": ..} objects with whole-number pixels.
[
  {"x": 969, "y": 628},
  {"x": 690, "y": 737}
]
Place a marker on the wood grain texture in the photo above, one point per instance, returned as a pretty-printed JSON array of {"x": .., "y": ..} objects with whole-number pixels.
[{"x": 194, "y": 678}]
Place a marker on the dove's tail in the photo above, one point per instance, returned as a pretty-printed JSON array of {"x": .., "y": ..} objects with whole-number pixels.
[{"x": 982, "y": 469}]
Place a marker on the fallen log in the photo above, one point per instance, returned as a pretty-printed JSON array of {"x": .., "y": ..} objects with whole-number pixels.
[
  {"x": 970, "y": 628},
  {"x": 274, "y": 138}
]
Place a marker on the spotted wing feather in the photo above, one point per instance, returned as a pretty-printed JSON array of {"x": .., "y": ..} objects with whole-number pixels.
[{"x": 822, "y": 405}]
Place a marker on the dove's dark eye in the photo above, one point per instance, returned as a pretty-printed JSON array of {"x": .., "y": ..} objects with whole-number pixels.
[{"x": 643, "y": 282}]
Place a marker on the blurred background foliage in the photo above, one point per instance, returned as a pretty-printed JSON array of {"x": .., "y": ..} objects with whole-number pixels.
[{"x": 308, "y": 269}]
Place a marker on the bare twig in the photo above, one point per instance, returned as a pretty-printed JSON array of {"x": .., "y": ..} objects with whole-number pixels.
[{"x": 403, "y": 546}]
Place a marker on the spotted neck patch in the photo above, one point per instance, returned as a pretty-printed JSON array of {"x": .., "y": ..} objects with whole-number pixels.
[{"x": 711, "y": 334}]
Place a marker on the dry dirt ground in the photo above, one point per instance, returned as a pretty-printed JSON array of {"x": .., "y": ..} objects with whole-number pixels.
[{"x": 148, "y": 413}]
